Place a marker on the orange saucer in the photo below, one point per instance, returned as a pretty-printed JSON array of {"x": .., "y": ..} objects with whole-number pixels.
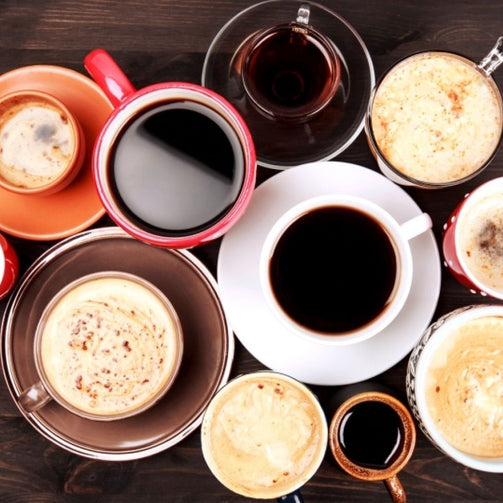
[{"x": 77, "y": 206}]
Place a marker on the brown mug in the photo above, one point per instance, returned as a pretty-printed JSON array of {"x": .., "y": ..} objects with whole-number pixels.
[{"x": 372, "y": 436}]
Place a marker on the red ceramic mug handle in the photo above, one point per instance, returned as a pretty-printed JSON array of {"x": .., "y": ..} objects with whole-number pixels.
[
  {"x": 11, "y": 269},
  {"x": 108, "y": 75}
]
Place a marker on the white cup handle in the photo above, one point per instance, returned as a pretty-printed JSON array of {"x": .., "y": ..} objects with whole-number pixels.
[{"x": 415, "y": 226}]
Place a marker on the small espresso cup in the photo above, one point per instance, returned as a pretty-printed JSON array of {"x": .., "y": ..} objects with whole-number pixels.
[
  {"x": 108, "y": 346},
  {"x": 424, "y": 125},
  {"x": 454, "y": 385},
  {"x": 42, "y": 145},
  {"x": 264, "y": 435},
  {"x": 372, "y": 437},
  {"x": 175, "y": 163},
  {"x": 290, "y": 71},
  {"x": 9, "y": 267},
  {"x": 337, "y": 269},
  {"x": 473, "y": 240}
]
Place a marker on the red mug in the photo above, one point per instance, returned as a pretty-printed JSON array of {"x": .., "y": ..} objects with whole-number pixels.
[
  {"x": 9, "y": 267},
  {"x": 473, "y": 240},
  {"x": 175, "y": 163}
]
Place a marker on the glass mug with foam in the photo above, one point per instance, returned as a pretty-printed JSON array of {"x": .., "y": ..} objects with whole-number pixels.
[
  {"x": 473, "y": 240},
  {"x": 337, "y": 269},
  {"x": 42, "y": 143},
  {"x": 424, "y": 123},
  {"x": 108, "y": 346},
  {"x": 264, "y": 435},
  {"x": 175, "y": 163},
  {"x": 454, "y": 385}
]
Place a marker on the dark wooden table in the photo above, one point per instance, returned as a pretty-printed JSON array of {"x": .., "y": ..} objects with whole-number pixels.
[{"x": 167, "y": 40}]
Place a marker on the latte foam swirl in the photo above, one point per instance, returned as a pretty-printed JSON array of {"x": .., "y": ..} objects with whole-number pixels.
[{"x": 464, "y": 388}]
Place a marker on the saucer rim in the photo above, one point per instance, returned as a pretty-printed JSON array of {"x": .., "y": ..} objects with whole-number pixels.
[{"x": 244, "y": 327}]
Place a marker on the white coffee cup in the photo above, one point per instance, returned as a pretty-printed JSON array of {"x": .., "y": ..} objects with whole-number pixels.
[
  {"x": 316, "y": 298},
  {"x": 454, "y": 417}
]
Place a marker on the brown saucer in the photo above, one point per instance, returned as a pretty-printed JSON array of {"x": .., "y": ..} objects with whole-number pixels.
[{"x": 208, "y": 342}]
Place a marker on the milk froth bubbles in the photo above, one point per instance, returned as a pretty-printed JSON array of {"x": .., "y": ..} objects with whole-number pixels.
[
  {"x": 109, "y": 346},
  {"x": 435, "y": 118}
]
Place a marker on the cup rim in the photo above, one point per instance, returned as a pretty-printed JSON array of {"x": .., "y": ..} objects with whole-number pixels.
[
  {"x": 403, "y": 178},
  {"x": 71, "y": 170},
  {"x": 430, "y": 341},
  {"x": 408, "y": 430},
  {"x": 295, "y": 382},
  {"x": 173, "y": 91},
  {"x": 404, "y": 267},
  {"x": 488, "y": 188},
  {"x": 54, "y": 301}
]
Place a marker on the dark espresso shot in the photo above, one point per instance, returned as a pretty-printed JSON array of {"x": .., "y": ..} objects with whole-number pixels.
[
  {"x": 370, "y": 435},
  {"x": 177, "y": 168},
  {"x": 333, "y": 270},
  {"x": 290, "y": 72}
]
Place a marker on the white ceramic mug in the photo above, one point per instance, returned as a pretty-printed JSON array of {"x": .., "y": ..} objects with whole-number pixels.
[{"x": 305, "y": 279}]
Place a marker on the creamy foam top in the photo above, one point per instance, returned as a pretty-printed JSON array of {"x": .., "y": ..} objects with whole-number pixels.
[
  {"x": 436, "y": 118},
  {"x": 464, "y": 387},
  {"x": 36, "y": 143},
  {"x": 108, "y": 346},
  {"x": 263, "y": 436},
  {"x": 481, "y": 240}
]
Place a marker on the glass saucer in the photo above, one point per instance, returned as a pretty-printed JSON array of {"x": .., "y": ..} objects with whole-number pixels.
[{"x": 281, "y": 145}]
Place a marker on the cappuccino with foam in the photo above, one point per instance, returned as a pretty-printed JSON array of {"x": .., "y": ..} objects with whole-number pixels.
[
  {"x": 108, "y": 346},
  {"x": 436, "y": 118},
  {"x": 264, "y": 435}
]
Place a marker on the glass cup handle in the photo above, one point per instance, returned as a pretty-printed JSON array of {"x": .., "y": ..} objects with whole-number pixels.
[
  {"x": 396, "y": 490},
  {"x": 109, "y": 76},
  {"x": 415, "y": 226},
  {"x": 303, "y": 14},
  {"x": 493, "y": 59},
  {"x": 34, "y": 397}
]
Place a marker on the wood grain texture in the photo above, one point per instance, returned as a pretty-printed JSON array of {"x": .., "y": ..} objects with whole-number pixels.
[{"x": 166, "y": 40}]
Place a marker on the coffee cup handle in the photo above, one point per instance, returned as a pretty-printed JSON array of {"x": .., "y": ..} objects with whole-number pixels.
[
  {"x": 396, "y": 490},
  {"x": 293, "y": 497},
  {"x": 34, "y": 397},
  {"x": 109, "y": 76},
  {"x": 415, "y": 226}
]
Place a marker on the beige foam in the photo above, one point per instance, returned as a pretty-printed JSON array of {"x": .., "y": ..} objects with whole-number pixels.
[
  {"x": 108, "y": 346},
  {"x": 36, "y": 143},
  {"x": 263, "y": 437},
  {"x": 464, "y": 387},
  {"x": 436, "y": 118},
  {"x": 480, "y": 239}
]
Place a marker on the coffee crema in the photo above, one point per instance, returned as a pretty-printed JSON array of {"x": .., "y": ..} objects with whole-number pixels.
[
  {"x": 480, "y": 237},
  {"x": 263, "y": 436},
  {"x": 464, "y": 387},
  {"x": 37, "y": 142},
  {"x": 109, "y": 346},
  {"x": 427, "y": 117}
]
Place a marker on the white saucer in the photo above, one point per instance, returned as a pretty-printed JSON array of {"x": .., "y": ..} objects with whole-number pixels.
[{"x": 258, "y": 329}]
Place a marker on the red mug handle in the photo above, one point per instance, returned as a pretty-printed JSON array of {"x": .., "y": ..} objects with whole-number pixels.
[
  {"x": 11, "y": 267},
  {"x": 109, "y": 76}
]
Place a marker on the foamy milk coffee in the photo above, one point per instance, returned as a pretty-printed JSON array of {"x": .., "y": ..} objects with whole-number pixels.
[
  {"x": 37, "y": 141},
  {"x": 436, "y": 118},
  {"x": 479, "y": 237},
  {"x": 264, "y": 435},
  {"x": 455, "y": 385},
  {"x": 109, "y": 345}
]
